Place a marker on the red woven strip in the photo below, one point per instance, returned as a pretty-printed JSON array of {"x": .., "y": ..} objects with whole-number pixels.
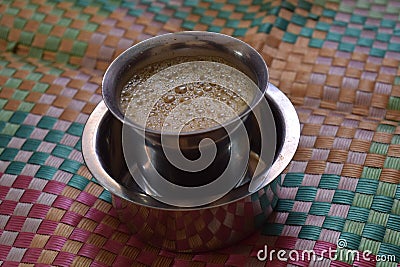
[
  {"x": 47, "y": 227},
  {"x": 31, "y": 254},
  {"x": 64, "y": 259},
  {"x": 321, "y": 247},
  {"x": 202, "y": 257},
  {"x": 30, "y": 196},
  {"x": 276, "y": 263},
  {"x": 224, "y": 231},
  {"x": 365, "y": 261},
  {"x": 214, "y": 265},
  {"x": 339, "y": 264},
  {"x": 123, "y": 228},
  {"x": 146, "y": 257},
  {"x": 98, "y": 264},
  {"x": 95, "y": 215},
  {"x": 86, "y": 198},
  {"x": 54, "y": 187},
  {"x": 134, "y": 242},
  {"x": 39, "y": 211},
  {"x": 104, "y": 230},
  {"x": 236, "y": 260},
  {"x": 122, "y": 261},
  {"x": 24, "y": 240},
  {"x": 113, "y": 246},
  {"x": 11, "y": 264},
  {"x": 22, "y": 181},
  {"x": 80, "y": 235},
  {"x": 15, "y": 223},
  {"x": 3, "y": 191},
  {"x": 301, "y": 261},
  {"x": 7, "y": 207},
  {"x": 286, "y": 242},
  {"x": 62, "y": 202},
  {"x": 206, "y": 234},
  {"x": 71, "y": 218},
  {"x": 89, "y": 250},
  {"x": 238, "y": 222},
  {"x": 4, "y": 249},
  {"x": 55, "y": 242},
  {"x": 181, "y": 263}
]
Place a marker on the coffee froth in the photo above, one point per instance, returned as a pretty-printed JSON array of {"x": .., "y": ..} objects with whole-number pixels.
[{"x": 186, "y": 94}]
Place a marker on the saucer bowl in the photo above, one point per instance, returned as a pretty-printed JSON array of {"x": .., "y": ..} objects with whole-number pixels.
[{"x": 190, "y": 229}]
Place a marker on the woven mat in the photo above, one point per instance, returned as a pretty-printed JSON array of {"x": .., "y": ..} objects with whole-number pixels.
[{"x": 337, "y": 61}]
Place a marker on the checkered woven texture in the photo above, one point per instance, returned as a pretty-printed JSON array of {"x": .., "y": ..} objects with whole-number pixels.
[{"x": 337, "y": 61}]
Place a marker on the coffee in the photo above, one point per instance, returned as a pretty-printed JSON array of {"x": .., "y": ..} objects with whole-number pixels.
[{"x": 186, "y": 94}]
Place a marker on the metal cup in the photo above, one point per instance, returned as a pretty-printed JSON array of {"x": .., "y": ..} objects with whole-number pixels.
[{"x": 149, "y": 153}]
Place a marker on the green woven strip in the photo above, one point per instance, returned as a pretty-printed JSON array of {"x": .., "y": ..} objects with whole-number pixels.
[
  {"x": 392, "y": 163},
  {"x": 30, "y": 144},
  {"x": 371, "y": 173},
  {"x": 389, "y": 249},
  {"x": 394, "y": 103},
  {"x": 343, "y": 197},
  {"x": 76, "y": 129},
  {"x": 46, "y": 172},
  {"x": 62, "y": 151},
  {"x": 374, "y": 231},
  {"x": 306, "y": 193},
  {"x": 373, "y": 218},
  {"x": 15, "y": 167},
  {"x": 78, "y": 182},
  {"x": 378, "y": 217},
  {"x": 293, "y": 179},
  {"x": 396, "y": 207},
  {"x": 284, "y": 205},
  {"x": 386, "y": 128},
  {"x": 296, "y": 218},
  {"x": 367, "y": 186},
  {"x": 353, "y": 240},
  {"x": 38, "y": 158},
  {"x": 272, "y": 229},
  {"x": 106, "y": 196},
  {"x": 46, "y": 122},
  {"x": 329, "y": 181},
  {"x": 10, "y": 129},
  {"x": 396, "y": 139},
  {"x": 54, "y": 136},
  {"x": 392, "y": 237},
  {"x": 382, "y": 204},
  {"x": 320, "y": 208},
  {"x": 8, "y": 154},
  {"x": 362, "y": 200},
  {"x": 78, "y": 145},
  {"x": 379, "y": 148},
  {"x": 18, "y": 117},
  {"x": 393, "y": 222},
  {"x": 71, "y": 166},
  {"x": 371, "y": 245},
  {"x": 358, "y": 214},
  {"x": 387, "y": 189},
  {"x": 334, "y": 223},
  {"x": 310, "y": 232}
]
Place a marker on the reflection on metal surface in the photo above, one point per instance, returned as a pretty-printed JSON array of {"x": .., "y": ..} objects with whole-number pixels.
[
  {"x": 192, "y": 168},
  {"x": 217, "y": 224}
]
